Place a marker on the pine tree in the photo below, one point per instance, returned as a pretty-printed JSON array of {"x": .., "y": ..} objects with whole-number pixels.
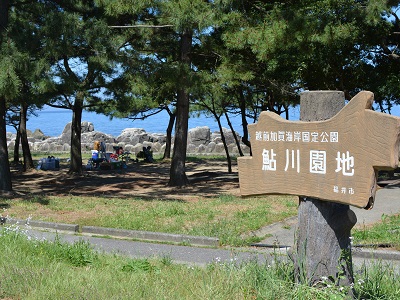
[
  {"x": 6, "y": 77},
  {"x": 170, "y": 30},
  {"x": 82, "y": 49},
  {"x": 31, "y": 68}
]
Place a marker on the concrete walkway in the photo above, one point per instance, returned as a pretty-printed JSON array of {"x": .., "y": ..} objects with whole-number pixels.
[
  {"x": 203, "y": 256},
  {"x": 387, "y": 202}
]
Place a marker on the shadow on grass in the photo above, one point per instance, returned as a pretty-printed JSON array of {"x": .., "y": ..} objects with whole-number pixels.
[
  {"x": 43, "y": 200},
  {"x": 4, "y": 205},
  {"x": 145, "y": 181}
]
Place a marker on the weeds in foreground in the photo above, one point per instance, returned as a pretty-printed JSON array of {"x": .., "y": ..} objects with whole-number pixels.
[{"x": 41, "y": 269}]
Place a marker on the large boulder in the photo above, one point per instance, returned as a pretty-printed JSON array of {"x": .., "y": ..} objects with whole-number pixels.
[
  {"x": 229, "y": 136},
  {"x": 133, "y": 136},
  {"x": 191, "y": 148},
  {"x": 87, "y": 126},
  {"x": 43, "y": 147},
  {"x": 201, "y": 149},
  {"x": 156, "y": 147},
  {"x": 66, "y": 134},
  {"x": 136, "y": 148},
  {"x": 210, "y": 147},
  {"x": 91, "y": 137},
  {"x": 129, "y": 148},
  {"x": 199, "y": 136},
  {"x": 132, "y": 131},
  {"x": 219, "y": 148},
  {"x": 200, "y": 140},
  {"x": 11, "y": 145},
  {"x": 38, "y": 135},
  {"x": 158, "y": 138}
]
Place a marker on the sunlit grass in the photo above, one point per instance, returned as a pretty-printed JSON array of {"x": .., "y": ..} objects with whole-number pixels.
[
  {"x": 55, "y": 270},
  {"x": 385, "y": 233},
  {"x": 227, "y": 217}
]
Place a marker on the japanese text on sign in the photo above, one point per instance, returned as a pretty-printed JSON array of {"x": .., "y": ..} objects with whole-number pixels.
[
  {"x": 334, "y": 160},
  {"x": 297, "y": 136},
  {"x": 317, "y": 162}
]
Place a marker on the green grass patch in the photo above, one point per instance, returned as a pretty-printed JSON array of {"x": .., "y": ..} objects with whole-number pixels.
[
  {"x": 227, "y": 217},
  {"x": 37, "y": 269},
  {"x": 385, "y": 233}
]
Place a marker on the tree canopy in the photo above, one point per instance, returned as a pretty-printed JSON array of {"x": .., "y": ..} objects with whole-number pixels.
[{"x": 125, "y": 58}]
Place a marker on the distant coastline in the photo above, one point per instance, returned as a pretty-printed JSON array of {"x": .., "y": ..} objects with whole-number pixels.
[
  {"x": 52, "y": 122},
  {"x": 133, "y": 140}
]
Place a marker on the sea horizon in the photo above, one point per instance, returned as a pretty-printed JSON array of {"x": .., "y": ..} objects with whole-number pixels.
[{"x": 52, "y": 121}]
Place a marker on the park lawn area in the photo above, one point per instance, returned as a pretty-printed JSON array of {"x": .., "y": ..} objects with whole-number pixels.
[
  {"x": 138, "y": 198},
  {"x": 383, "y": 234},
  {"x": 230, "y": 218}
]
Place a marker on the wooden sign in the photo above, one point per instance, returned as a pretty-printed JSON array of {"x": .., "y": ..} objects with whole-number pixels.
[{"x": 334, "y": 160}]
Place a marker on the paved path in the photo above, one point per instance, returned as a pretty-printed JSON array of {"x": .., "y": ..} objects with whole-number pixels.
[
  {"x": 387, "y": 202},
  {"x": 180, "y": 254},
  {"x": 202, "y": 256}
]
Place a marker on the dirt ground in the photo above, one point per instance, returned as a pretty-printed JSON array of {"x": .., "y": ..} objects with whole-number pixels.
[{"x": 208, "y": 178}]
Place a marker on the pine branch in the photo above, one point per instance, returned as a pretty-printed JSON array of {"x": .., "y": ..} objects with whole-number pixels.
[{"x": 141, "y": 26}]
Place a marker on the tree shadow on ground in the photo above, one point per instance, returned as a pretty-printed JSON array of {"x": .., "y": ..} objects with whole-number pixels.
[{"x": 208, "y": 178}]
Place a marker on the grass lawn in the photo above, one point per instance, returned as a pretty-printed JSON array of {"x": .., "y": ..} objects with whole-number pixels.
[
  {"x": 383, "y": 234},
  {"x": 229, "y": 218},
  {"x": 38, "y": 269}
]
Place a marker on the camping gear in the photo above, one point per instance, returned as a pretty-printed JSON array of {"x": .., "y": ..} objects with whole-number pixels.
[
  {"x": 95, "y": 154},
  {"x": 49, "y": 163}
]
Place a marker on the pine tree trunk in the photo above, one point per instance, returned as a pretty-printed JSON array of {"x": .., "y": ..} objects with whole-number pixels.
[
  {"x": 242, "y": 105},
  {"x": 323, "y": 248},
  {"x": 177, "y": 172},
  {"x": 16, "y": 147},
  {"x": 5, "y": 174},
  {"x": 168, "y": 142},
  {"x": 26, "y": 152},
  {"x": 76, "y": 130},
  {"x": 228, "y": 157},
  {"x": 234, "y": 135}
]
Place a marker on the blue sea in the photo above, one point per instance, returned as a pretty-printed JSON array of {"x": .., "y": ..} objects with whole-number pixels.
[{"x": 51, "y": 121}]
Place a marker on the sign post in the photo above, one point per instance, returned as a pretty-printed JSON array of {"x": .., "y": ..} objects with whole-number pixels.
[{"x": 330, "y": 159}]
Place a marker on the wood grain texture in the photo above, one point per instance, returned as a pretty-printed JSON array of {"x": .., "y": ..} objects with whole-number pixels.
[
  {"x": 322, "y": 246},
  {"x": 367, "y": 138}
]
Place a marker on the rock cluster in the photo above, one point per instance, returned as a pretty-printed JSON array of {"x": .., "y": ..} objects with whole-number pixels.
[{"x": 200, "y": 140}]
